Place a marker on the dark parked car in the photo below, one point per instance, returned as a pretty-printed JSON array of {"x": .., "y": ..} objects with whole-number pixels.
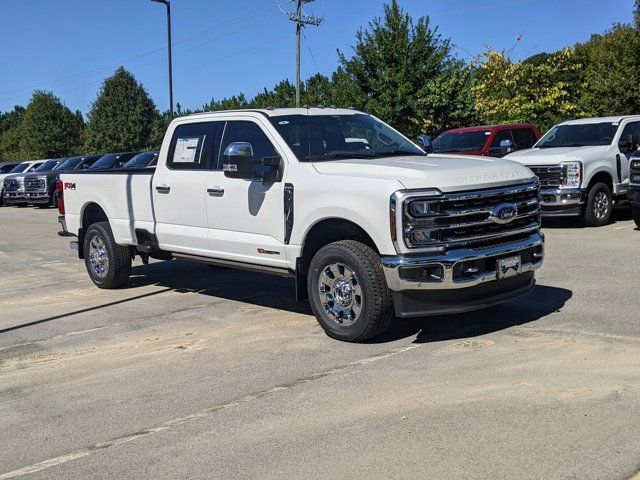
[
  {"x": 143, "y": 160},
  {"x": 634, "y": 186},
  {"x": 7, "y": 167},
  {"x": 488, "y": 140},
  {"x": 40, "y": 185},
  {"x": 113, "y": 160}
]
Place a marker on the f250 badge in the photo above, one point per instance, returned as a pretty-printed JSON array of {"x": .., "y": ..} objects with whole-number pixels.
[{"x": 69, "y": 186}]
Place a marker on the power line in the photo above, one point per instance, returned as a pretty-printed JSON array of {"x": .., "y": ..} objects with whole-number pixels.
[
  {"x": 302, "y": 20},
  {"x": 95, "y": 71}
]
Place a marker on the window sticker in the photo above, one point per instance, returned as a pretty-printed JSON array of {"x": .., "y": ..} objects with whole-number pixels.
[
  {"x": 487, "y": 133},
  {"x": 186, "y": 150}
]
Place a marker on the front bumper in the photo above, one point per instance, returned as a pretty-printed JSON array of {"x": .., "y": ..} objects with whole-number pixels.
[
  {"x": 634, "y": 195},
  {"x": 13, "y": 198},
  {"x": 40, "y": 197},
  {"x": 467, "y": 279},
  {"x": 562, "y": 201}
]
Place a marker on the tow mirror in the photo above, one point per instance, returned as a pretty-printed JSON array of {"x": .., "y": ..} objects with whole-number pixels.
[
  {"x": 425, "y": 142},
  {"x": 239, "y": 162},
  {"x": 506, "y": 146}
]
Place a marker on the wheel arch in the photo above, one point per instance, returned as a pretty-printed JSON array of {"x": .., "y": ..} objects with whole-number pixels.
[
  {"x": 323, "y": 232},
  {"x": 601, "y": 176},
  {"x": 91, "y": 213}
]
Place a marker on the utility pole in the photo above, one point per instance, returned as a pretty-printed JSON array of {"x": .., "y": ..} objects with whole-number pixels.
[
  {"x": 167, "y": 3},
  {"x": 301, "y": 20}
]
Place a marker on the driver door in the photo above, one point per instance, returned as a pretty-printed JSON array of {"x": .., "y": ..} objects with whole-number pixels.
[
  {"x": 245, "y": 217},
  {"x": 631, "y": 134}
]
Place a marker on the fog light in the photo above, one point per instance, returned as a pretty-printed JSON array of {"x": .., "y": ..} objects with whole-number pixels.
[{"x": 426, "y": 274}]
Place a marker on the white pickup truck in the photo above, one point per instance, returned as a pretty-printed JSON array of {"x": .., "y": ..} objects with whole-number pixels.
[
  {"x": 366, "y": 222},
  {"x": 583, "y": 166}
]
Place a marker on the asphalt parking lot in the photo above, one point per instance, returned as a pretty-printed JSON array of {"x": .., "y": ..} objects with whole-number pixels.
[{"x": 195, "y": 372}]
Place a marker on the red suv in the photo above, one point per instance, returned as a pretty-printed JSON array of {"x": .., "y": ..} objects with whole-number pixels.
[{"x": 488, "y": 140}]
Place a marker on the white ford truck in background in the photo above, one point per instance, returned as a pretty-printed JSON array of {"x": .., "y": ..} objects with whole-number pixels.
[
  {"x": 366, "y": 222},
  {"x": 583, "y": 166}
]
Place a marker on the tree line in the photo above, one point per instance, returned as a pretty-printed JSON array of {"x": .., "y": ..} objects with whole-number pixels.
[{"x": 401, "y": 70}]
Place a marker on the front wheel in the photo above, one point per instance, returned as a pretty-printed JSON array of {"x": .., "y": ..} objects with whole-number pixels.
[
  {"x": 599, "y": 208},
  {"x": 636, "y": 215},
  {"x": 108, "y": 264},
  {"x": 348, "y": 292}
]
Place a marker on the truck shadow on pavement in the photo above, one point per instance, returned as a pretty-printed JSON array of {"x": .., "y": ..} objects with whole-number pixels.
[
  {"x": 276, "y": 292},
  {"x": 620, "y": 214}
]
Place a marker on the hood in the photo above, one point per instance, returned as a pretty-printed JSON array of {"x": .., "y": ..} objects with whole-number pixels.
[
  {"x": 449, "y": 173},
  {"x": 550, "y": 156}
]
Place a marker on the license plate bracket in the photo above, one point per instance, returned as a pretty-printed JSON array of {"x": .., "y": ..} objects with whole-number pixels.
[{"x": 509, "y": 267}]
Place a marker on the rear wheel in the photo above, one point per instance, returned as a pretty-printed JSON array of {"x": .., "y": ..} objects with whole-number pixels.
[
  {"x": 636, "y": 215},
  {"x": 348, "y": 292},
  {"x": 599, "y": 208},
  {"x": 108, "y": 264}
]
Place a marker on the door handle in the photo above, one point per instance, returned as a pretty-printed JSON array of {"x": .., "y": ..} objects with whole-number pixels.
[
  {"x": 163, "y": 188},
  {"x": 215, "y": 191}
]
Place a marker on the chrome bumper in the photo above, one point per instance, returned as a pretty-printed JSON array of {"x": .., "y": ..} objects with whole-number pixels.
[
  {"x": 557, "y": 197},
  {"x": 394, "y": 265}
]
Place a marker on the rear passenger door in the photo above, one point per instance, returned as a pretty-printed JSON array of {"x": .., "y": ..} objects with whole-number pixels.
[{"x": 178, "y": 188}]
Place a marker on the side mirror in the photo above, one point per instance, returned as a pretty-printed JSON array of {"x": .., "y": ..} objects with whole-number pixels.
[
  {"x": 239, "y": 162},
  {"x": 425, "y": 142},
  {"x": 506, "y": 146}
]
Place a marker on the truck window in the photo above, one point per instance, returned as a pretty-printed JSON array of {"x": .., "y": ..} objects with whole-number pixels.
[
  {"x": 502, "y": 135},
  {"x": 524, "y": 138},
  {"x": 192, "y": 145},
  {"x": 246, "y": 131},
  {"x": 631, "y": 133}
]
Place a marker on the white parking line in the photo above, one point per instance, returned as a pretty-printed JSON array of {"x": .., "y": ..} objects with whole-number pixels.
[
  {"x": 626, "y": 226},
  {"x": 83, "y": 452}
]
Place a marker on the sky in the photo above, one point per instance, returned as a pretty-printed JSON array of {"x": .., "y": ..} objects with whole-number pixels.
[{"x": 224, "y": 47}]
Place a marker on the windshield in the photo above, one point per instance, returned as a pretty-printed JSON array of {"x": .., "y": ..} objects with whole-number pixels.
[
  {"x": 21, "y": 167},
  {"x": 141, "y": 160},
  {"x": 69, "y": 164},
  {"x": 579, "y": 135},
  {"x": 112, "y": 160},
  {"x": 46, "y": 166},
  {"x": 461, "y": 141},
  {"x": 316, "y": 138}
]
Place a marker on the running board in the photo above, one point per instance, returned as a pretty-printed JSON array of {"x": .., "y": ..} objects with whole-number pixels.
[{"x": 282, "y": 272}]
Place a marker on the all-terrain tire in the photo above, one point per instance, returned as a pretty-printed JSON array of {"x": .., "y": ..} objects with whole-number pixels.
[
  {"x": 359, "y": 278},
  {"x": 599, "y": 207},
  {"x": 108, "y": 264}
]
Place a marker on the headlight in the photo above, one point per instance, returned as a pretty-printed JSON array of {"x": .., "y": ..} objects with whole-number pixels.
[
  {"x": 571, "y": 174},
  {"x": 635, "y": 165},
  {"x": 422, "y": 237},
  {"x": 424, "y": 207},
  {"x": 635, "y": 179}
]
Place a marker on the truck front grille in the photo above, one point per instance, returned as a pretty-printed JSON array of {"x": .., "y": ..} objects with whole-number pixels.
[
  {"x": 11, "y": 185},
  {"x": 35, "y": 184},
  {"x": 473, "y": 219},
  {"x": 550, "y": 176}
]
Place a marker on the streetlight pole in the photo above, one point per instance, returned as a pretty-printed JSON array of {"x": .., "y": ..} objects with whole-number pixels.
[{"x": 168, "y": 5}]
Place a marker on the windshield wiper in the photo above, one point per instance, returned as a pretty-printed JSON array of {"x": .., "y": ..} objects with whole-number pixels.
[
  {"x": 563, "y": 146},
  {"x": 337, "y": 155},
  {"x": 404, "y": 153}
]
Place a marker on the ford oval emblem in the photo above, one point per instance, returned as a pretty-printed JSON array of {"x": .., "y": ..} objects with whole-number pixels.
[{"x": 504, "y": 213}]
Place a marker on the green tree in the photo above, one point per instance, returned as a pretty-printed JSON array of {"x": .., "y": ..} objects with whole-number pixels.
[
  {"x": 543, "y": 91},
  {"x": 612, "y": 72},
  {"x": 396, "y": 60},
  {"x": 122, "y": 117},
  {"x": 48, "y": 129},
  {"x": 9, "y": 133}
]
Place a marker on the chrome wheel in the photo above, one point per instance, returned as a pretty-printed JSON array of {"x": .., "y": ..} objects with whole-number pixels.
[
  {"x": 340, "y": 294},
  {"x": 601, "y": 205},
  {"x": 98, "y": 256}
]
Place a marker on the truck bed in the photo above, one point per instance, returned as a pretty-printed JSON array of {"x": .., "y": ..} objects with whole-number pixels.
[{"x": 123, "y": 195}]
